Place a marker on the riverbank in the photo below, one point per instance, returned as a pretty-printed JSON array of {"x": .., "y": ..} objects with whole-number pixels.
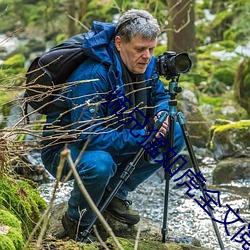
[{"x": 186, "y": 220}]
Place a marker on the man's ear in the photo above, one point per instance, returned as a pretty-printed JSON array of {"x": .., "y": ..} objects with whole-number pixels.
[{"x": 118, "y": 42}]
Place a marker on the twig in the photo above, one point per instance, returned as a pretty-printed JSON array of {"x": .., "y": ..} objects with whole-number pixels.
[
  {"x": 99, "y": 238},
  {"x": 77, "y": 21},
  {"x": 137, "y": 236},
  {"x": 66, "y": 154},
  {"x": 45, "y": 217}
]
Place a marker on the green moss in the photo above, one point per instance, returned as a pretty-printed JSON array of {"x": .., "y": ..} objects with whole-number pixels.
[
  {"x": 236, "y": 125},
  {"x": 225, "y": 75},
  {"x": 16, "y": 237},
  {"x": 13, "y": 239},
  {"x": 219, "y": 131},
  {"x": 13, "y": 71},
  {"x": 228, "y": 45},
  {"x": 21, "y": 199},
  {"x": 6, "y": 243},
  {"x": 212, "y": 100},
  {"x": 16, "y": 61},
  {"x": 128, "y": 244},
  {"x": 242, "y": 84},
  {"x": 9, "y": 219}
]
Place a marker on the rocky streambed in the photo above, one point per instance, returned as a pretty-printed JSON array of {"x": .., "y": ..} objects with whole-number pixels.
[{"x": 186, "y": 219}]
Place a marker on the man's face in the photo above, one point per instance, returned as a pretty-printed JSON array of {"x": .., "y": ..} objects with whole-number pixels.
[{"x": 137, "y": 53}]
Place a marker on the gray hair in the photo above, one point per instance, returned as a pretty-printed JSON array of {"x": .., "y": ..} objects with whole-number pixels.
[{"x": 137, "y": 22}]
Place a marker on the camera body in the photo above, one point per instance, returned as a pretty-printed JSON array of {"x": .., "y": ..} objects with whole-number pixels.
[{"x": 171, "y": 65}]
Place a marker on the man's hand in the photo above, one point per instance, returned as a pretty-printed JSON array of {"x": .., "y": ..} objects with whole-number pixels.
[{"x": 165, "y": 125}]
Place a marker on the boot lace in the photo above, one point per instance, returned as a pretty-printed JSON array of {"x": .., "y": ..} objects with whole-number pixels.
[{"x": 127, "y": 203}]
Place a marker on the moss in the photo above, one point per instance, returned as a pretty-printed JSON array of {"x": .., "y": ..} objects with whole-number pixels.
[
  {"x": 225, "y": 75},
  {"x": 214, "y": 101},
  {"x": 6, "y": 243},
  {"x": 16, "y": 61},
  {"x": 128, "y": 244},
  {"x": 9, "y": 219},
  {"x": 13, "y": 71},
  {"x": 16, "y": 237},
  {"x": 242, "y": 84},
  {"x": 13, "y": 239},
  {"x": 21, "y": 199},
  {"x": 220, "y": 132},
  {"x": 234, "y": 125}
]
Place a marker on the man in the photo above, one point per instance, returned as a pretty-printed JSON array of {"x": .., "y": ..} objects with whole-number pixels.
[{"x": 108, "y": 115}]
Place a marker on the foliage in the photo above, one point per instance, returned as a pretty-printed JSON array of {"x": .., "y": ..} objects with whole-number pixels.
[{"x": 227, "y": 21}]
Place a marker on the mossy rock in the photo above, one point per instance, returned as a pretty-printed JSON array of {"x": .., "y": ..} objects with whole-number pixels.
[
  {"x": 219, "y": 107},
  {"x": 22, "y": 200},
  {"x": 230, "y": 139},
  {"x": 11, "y": 237},
  {"x": 128, "y": 244},
  {"x": 242, "y": 85}
]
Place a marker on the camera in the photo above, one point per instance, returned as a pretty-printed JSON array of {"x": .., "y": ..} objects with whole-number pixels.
[{"x": 171, "y": 65}]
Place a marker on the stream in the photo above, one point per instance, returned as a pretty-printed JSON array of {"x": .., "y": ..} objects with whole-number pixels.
[{"x": 186, "y": 219}]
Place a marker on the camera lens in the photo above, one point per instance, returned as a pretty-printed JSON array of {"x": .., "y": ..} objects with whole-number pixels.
[{"x": 182, "y": 63}]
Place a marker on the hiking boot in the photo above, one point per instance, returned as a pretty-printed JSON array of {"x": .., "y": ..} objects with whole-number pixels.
[
  {"x": 75, "y": 231},
  {"x": 121, "y": 211}
]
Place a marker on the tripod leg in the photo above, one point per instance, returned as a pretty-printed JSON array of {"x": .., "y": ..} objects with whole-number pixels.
[
  {"x": 164, "y": 229},
  {"x": 181, "y": 120}
]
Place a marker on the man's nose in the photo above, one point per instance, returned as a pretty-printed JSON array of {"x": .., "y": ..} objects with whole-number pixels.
[{"x": 146, "y": 54}]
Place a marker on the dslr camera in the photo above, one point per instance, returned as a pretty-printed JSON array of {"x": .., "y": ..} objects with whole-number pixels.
[{"x": 171, "y": 65}]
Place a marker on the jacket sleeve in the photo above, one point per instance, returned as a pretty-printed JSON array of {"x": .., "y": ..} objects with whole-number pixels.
[{"x": 89, "y": 116}]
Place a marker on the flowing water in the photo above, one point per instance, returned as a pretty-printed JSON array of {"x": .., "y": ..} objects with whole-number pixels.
[{"x": 186, "y": 219}]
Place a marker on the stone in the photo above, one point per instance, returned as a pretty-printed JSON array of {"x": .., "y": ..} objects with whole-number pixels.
[
  {"x": 231, "y": 169},
  {"x": 232, "y": 139}
]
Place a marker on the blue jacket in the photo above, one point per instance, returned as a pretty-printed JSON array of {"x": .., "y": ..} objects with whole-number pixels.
[{"x": 88, "y": 116}]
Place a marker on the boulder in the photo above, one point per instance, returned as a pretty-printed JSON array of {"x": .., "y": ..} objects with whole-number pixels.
[
  {"x": 230, "y": 139},
  {"x": 149, "y": 238},
  {"x": 231, "y": 169}
]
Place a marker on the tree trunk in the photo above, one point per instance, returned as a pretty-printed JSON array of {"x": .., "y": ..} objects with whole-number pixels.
[
  {"x": 71, "y": 6},
  {"x": 181, "y": 27},
  {"x": 83, "y": 8}
]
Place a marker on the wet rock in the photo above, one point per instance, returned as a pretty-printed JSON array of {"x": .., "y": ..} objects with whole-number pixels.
[
  {"x": 197, "y": 125},
  {"x": 232, "y": 139},
  {"x": 231, "y": 169},
  {"x": 149, "y": 238}
]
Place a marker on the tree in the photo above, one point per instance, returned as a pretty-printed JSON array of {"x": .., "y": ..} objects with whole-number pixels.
[{"x": 181, "y": 27}]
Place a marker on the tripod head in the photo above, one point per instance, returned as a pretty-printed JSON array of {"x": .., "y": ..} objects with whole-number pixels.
[{"x": 174, "y": 89}]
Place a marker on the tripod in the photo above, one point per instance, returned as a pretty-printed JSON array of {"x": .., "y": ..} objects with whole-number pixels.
[{"x": 173, "y": 90}]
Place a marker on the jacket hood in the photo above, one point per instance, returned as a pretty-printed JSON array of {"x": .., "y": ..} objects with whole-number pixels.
[{"x": 98, "y": 43}]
